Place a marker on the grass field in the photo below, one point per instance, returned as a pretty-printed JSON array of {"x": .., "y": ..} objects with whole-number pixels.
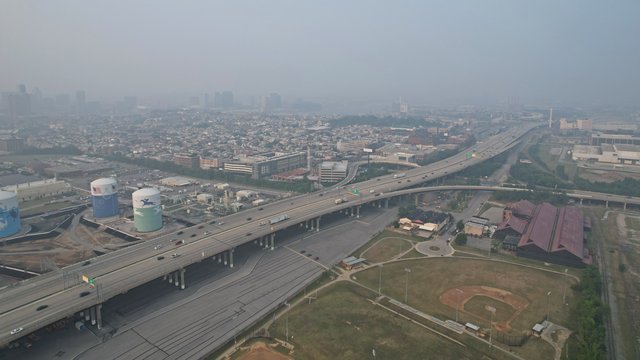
[
  {"x": 343, "y": 324},
  {"x": 385, "y": 249},
  {"x": 429, "y": 278},
  {"x": 632, "y": 223},
  {"x": 382, "y": 235}
]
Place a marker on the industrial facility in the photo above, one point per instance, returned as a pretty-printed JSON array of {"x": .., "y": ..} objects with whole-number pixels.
[
  {"x": 147, "y": 213},
  {"x": 9, "y": 214},
  {"x": 104, "y": 197}
]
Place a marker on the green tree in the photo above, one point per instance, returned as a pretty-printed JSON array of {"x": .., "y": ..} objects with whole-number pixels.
[
  {"x": 461, "y": 239},
  {"x": 459, "y": 225}
]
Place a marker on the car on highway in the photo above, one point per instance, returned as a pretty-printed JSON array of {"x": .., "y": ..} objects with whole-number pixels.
[
  {"x": 180, "y": 242},
  {"x": 221, "y": 223},
  {"x": 249, "y": 219},
  {"x": 248, "y": 234},
  {"x": 160, "y": 257},
  {"x": 42, "y": 307},
  {"x": 263, "y": 223},
  {"x": 200, "y": 227},
  {"x": 86, "y": 263},
  {"x": 180, "y": 232},
  {"x": 157, "y": 247},
  {"x": 175, "y": 255},
  {"x": 260, "y": 209},
  {"x": 16, "y": 330},
  {"x": 84, "y": 293}
]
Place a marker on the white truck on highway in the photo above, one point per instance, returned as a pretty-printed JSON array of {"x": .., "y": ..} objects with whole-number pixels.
[
  {"x": 278, "y": 219},
  {"x": 396, "y": 176},
  {"x": 340, "y": 201}
]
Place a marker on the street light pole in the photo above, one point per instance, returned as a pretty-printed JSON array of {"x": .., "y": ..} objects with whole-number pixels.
[
  {"x": 406, "y": 284},
  {"x": 458, "y": 291},
  {"x": 380, "y": 281},
  {"x": 564, "y": 288},
  {"x": 548, "y": 293},
  {"x": 492, "y": 310},
  {"x": 286, "y": 321}
]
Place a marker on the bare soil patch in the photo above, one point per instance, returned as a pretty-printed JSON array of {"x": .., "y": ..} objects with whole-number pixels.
[{"x": 262, "y": 351}]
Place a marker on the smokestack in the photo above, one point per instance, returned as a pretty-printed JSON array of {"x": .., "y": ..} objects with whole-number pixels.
[
  {"x": 308, "y": 158},
  {"x": 550, "y": 118}
]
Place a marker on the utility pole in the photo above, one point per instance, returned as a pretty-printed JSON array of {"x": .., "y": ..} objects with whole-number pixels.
[
  {"x": 406, "y": 284},
  {"x": 380, "y": 281},
  {"x": 564, "y": 287}
]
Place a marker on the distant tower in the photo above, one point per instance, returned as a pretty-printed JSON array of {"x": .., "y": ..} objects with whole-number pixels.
[
  {"x": 550, "y": 118},
  {"x": 308, "y": 158}
]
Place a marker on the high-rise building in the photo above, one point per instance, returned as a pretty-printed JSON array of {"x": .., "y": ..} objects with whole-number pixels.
[
  {"x": 223, "y": 100},
  {"x": 81, "y": 102},
  {"x": 271, "y": 102}
]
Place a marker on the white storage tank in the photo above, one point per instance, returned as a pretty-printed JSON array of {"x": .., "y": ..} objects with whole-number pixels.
[
  {"x": 104, "y": 197},
  {"x": 147, "y": 212},
  {"x": 9, "y": 214}
]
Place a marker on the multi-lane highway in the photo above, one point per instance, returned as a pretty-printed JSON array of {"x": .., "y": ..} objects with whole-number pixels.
[{"x": 61, "y": 294}]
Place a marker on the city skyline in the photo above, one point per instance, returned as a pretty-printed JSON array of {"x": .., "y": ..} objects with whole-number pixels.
[{"x": 432, "y": 54}]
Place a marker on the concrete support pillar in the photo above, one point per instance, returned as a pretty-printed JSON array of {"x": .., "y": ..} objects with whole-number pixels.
[
  {"x": 176, "y": 278},
  {"x": 351, "y": 211},
  {"x": 87, "y": 315},
  {"x": 581, "y": 201},
  {"x": 625, "y": 206},
  {"x": 417, "y": 196},
  {"x": 226, "y": 258},
  {"x": 273, "y": 241},
  {"x": 357, "y": 212},
  {"x": 164, "y": 277},
  {"x": 92, "y": 310},
  {"x": 182, "y": 283},
  {"x": 386, "y": 203},
  {"x": 99, "y": 316},
  {"x": 606, "y": 204},
  {"x": 231, "y": 258},
  {"x": 311, "y": 224},
  {"x": 318, "y": 224}
]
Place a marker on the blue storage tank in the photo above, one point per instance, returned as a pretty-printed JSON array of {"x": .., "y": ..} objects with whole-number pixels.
[
  {"x": 9, "y": 214},
  {"x": 104, "y": 197}
]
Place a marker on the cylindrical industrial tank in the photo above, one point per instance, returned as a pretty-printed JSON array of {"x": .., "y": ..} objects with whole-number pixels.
[
  {"x": 104, "y": 196},
  {"x": 9, "y": 214},
  {"x": 147, "y": 213}
]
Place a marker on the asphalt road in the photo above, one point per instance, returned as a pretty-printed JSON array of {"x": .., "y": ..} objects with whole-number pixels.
[
  {"x": 156, "y": 321},
  {"x": 128, "y": 268}
]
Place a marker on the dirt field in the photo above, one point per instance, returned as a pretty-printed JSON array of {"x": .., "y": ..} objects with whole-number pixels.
[
  {"x": 261, "y": 351},
  {"x": 470, "y": 300}
]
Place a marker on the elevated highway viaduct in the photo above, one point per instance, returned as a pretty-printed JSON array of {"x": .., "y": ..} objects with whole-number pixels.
[{"x": 62, "y": 294}]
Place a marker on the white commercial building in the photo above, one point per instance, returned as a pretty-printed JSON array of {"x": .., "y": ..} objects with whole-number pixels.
[
  {"x": 608, "y": 153},
  {"x": 332, "y": 171}
]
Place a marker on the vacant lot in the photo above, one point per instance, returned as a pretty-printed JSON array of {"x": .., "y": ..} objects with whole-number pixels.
[
  {"x": 343, "y": 324},
  {"x": 430, "y": 278},
  {"x": 386, "y": 248}
]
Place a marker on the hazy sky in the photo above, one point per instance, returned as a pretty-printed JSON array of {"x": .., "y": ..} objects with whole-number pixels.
[{"x": 430, "y": 52}]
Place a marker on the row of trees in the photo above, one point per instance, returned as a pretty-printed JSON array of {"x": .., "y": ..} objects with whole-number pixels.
[
  {"x": 381, "y": 121},
  {"x": 56, "y": 150},
  {"x": 590, "y": 315}
]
